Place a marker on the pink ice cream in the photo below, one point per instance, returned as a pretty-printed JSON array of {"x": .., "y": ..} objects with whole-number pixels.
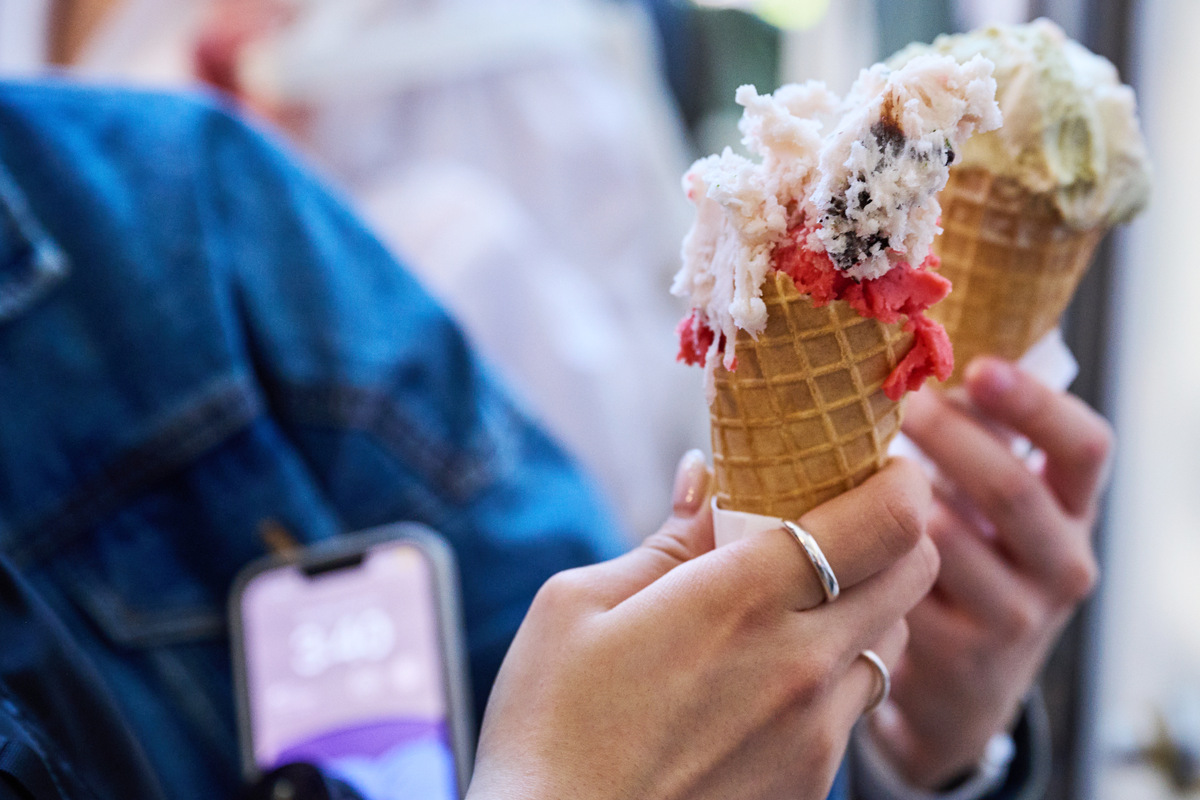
[{"x": 902, "y": 292}]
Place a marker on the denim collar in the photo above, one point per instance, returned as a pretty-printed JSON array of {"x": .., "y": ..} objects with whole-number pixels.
[{"x": 30, "y": 260}]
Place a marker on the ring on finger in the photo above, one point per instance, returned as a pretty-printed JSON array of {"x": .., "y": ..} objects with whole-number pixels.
[
  {"x": 820, "y": 564},
  {"x": 885, "y": 680}
]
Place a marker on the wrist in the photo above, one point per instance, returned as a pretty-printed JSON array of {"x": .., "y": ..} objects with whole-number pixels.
[{"x": 877, "y": 778}]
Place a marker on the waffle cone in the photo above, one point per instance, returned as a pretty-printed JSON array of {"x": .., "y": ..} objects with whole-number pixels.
[
  {"x": 803, "y": 417},
  {"x": 1013, "y": 261}
]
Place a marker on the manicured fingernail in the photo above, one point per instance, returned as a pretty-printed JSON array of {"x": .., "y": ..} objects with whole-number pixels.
[
  {"x": 991, "y": 377},
  {"x": 691, "y": 484}
]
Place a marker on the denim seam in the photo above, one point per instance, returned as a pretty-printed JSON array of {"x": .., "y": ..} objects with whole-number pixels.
[
  {"x": 456, "y": 473},
  {"x": 127, "y": 627},
  {"x": 224, "y": 408}
]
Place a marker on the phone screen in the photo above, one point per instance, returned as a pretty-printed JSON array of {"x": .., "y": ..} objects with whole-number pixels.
[{"x": 343, "y": 669}]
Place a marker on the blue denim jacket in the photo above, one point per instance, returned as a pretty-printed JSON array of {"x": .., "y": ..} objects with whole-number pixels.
[{"x": 197, "y": 340}]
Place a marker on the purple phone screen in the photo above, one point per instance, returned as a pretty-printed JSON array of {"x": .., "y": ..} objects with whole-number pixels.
[{"x": 343, "y": 670}]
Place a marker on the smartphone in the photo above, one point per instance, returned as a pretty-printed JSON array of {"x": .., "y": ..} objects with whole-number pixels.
[{"x": 349, "y": 656}]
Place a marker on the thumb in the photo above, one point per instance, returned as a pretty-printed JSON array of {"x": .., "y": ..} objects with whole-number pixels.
[{"x": 686, "y": 534}]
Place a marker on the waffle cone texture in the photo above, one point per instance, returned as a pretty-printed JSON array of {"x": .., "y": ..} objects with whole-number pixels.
[
  {"x": 1014, "y": 264},
  {"x": 803, "y": 417}
]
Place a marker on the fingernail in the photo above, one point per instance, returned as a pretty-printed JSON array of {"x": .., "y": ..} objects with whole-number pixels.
[
  {"x": 991, "y": 377},
  {"x": 691, "y": 484}
]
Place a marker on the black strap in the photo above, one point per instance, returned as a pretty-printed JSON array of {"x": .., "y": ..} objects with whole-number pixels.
[{"x": 20, "y": 763}]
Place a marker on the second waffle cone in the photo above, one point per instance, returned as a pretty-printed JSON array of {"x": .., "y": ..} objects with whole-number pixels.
[
  {"x": 803, "y": 417},
  {"x": 1014, "y": 264}
]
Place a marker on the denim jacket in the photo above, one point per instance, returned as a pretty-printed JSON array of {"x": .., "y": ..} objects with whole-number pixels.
[{"x": 197, "y": 341}]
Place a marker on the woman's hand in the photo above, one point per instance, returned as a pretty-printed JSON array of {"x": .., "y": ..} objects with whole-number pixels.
[
  {"x": 679, "y": 671},
  {"x": 1016, "y": 549}
]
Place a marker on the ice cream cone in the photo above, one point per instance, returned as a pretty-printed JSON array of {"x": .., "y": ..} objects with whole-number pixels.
[
  {"x": 1014, "y": 264},
  {"x": 802, "y": 417}
]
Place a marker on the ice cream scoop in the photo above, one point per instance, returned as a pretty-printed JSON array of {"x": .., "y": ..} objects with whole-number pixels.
[
  {"x": 809, "y": 270},
  {"x": 1070, "y": 127}
]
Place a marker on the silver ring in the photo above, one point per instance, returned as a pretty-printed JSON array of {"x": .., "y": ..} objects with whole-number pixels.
[
  {"x": 885, "y": 680},
  {"x": 820, "y": 564}
]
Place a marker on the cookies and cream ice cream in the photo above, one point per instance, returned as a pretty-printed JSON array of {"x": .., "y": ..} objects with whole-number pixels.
[
  {"x": 1070, "y": 127},
  {"x": 842, "y": 198},
  {"x": 809, "y": 272}
]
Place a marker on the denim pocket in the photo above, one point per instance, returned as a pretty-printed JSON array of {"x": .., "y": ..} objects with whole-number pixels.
[
  {"x": 155, "y": 627},
  {"x": 136, "y": 587},
  {"x": 149, "y": 585}
]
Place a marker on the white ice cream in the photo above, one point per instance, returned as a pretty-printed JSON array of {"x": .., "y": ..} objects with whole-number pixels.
[{"x": 863, "y": 173}]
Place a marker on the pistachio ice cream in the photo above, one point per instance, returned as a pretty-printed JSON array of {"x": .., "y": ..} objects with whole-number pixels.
[{"x": 1070, "y": 126}]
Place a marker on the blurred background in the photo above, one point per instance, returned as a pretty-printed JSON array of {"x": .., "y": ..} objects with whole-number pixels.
[{"x": 523, "y": 158}]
